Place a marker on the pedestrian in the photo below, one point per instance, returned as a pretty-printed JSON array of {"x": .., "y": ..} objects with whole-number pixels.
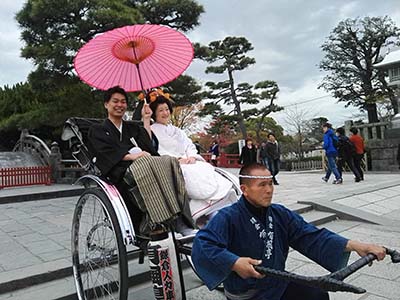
[
  {"x": 398, "y": 155},
  {"x": 198, "y": 146},
  {"x": 346, "y": 151},
  {"x": 358, "y": 142},
  {"x": 273, "y": 156},
  {"x": 249, "y": 153},
  {"x": 263, "y": 154},
  {"x": 253, "y": 231},
  {"x": 214, "y": 150},
  {"x": 330, "y": 144}
]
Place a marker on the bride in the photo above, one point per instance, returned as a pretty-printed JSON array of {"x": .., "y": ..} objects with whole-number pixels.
[{"x": 208, "y": 191}]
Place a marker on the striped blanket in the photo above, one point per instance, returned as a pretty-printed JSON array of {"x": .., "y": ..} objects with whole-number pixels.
[{"x": 161, "y": 184}]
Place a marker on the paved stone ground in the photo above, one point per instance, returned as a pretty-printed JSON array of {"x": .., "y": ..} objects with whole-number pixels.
[{"x": 35, "y": 235}]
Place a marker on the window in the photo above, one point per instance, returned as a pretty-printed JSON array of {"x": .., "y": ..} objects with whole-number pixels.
[{"x": 394, "y": 74}]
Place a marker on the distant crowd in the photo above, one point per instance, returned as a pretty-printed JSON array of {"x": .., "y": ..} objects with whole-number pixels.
[
  {"x": 268, "y": 153},
  {"x": 341, "y": 150}
]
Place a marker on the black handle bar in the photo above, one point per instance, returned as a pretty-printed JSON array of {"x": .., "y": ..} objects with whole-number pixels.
[{"x": 334, "y": 281}]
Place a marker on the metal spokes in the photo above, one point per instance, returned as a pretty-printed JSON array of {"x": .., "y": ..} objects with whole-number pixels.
[{"x": 97, "y": 250}]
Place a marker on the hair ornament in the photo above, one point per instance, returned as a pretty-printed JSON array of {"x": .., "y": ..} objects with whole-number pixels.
[{"x": 153, "y": 94}]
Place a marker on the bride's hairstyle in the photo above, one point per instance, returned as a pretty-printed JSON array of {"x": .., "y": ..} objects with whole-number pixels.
[{"x": 160, "y": 100}]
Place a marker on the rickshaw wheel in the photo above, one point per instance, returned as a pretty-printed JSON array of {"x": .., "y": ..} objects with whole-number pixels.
[{"x": 98, "y": 253}]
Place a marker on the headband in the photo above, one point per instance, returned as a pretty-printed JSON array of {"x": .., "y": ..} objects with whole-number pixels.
[{"x": 256, "y": 176}]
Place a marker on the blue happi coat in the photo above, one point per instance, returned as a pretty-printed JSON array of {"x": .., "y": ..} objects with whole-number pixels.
[{"x": 235, "y": 232}]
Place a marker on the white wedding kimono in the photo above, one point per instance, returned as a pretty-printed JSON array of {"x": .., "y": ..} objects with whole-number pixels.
[{"x": 208, "y": 191}]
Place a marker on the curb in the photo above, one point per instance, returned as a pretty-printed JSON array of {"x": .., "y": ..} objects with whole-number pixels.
[
  {"x": 41, "y": 196},
  {"x": 349, "y": 213},
  {"x": 134, "y": 280},
  {"x": 38, "y": 279},
  {"x": 41, "y": 278}
]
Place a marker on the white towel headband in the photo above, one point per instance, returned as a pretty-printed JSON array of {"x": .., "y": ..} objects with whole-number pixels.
[{"x": 256, "y": 176}]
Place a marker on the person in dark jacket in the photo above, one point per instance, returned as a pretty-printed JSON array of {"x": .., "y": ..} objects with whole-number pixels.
[
  {"x": 249, "y": 153},
  {"x": 398, "y": 155},
  {"x": 273, "y": 156},
  {"x": 346, "y": 151},
  {"x": 199, "y": 148},
  {"x": 115, "y": 142},
  {"x": 262, "y": 154},
  {"x": 255, "y": 231},
  {"x": 331, "y": 154}
]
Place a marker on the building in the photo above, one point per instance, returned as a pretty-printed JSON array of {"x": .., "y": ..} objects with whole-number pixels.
[
  {"x": 385, "y": 153},
  {"x": 391, "y": 64}
]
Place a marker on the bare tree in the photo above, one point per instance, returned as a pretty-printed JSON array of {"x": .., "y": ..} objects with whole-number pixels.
[
  {"x": 186, "y": 116},
  {"x": 296, "y": 121}
]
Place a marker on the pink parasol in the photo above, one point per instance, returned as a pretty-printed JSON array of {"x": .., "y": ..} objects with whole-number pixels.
[{"x": 136, "y": 57}]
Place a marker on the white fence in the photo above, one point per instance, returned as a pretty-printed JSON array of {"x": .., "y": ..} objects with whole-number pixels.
[{"x": 307, "y": 165}]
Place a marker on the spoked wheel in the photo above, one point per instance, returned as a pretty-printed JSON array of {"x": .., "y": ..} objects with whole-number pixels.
[{"x": 98, "y": 253}]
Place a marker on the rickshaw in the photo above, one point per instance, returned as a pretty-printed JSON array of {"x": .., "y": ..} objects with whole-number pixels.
[
  {"x": 103, "y": 235},
  {"x": 104, "y": 239}
]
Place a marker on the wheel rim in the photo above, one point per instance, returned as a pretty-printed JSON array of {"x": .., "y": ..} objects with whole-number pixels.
[{"x": 95, "y": 253}]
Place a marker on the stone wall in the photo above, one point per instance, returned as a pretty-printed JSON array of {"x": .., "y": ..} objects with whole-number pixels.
[{"x": 383, "y": 154}]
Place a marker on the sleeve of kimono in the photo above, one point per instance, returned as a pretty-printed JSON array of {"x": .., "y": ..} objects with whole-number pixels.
[
  {"x": 108, "y": 153},
  {"x": 146, "y": 143},
  {"x": 211, "y": 258},
  {"x": 190, "y": 148},
  {"x": 154, "y": 141},
  {"x": 320, "y": 245}
]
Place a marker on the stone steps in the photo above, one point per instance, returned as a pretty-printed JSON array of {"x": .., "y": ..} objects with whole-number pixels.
[{"x": 319, "y": 217}]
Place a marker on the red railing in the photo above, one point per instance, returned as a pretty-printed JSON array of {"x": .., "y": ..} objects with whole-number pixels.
[
  {"x": 21, "y": 176},
  {"x": 224, "y": 160}
]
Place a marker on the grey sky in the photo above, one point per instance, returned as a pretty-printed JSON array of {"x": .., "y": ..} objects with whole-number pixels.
[{"x": 286, "y": 35}]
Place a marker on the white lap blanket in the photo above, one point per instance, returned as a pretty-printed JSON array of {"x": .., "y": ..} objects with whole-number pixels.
[
  {"x": 203, "y": 183},
  {"x": 208, "y": 190},
  {"x": 200, "y": 208}
]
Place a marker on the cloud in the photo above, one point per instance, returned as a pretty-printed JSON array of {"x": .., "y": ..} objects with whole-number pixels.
[
  {"x": 316, "y": 102},
  {"x": 286, "y": 36},
  {"x": 13, "y": 68},
  {"x": 348, "y": 10}
]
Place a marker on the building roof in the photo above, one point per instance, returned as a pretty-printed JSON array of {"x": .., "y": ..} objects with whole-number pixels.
[{"x": 390, "y": 59}]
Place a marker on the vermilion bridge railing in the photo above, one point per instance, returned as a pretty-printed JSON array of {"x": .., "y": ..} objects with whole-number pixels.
[
  {"x": 22, "y": 176},
  {"x": 224, "y": 160}
]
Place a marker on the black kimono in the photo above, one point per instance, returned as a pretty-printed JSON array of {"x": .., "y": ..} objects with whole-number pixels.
[{"x": 110, "y": 146}]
